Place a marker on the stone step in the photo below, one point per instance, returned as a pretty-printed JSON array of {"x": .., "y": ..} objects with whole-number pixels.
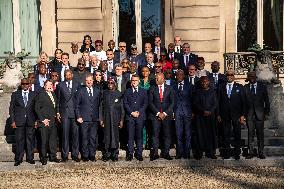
[
  {"x": 269, "y": 141},
  {"x": 267, "y": 133}
]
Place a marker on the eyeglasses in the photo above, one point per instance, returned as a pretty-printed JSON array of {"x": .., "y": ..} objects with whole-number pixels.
[
  {"x": 24, "y": 83},
  {"x": 122, "y": 46},
  {"x": 229, "y": 74},
  {"x": 98, "y": 45},
  {"x": 98, "y": 74},
  {"x": 54, "y": 75},
  {"x": 81, "y": 64},
  {"x": 133, "y": 49}
]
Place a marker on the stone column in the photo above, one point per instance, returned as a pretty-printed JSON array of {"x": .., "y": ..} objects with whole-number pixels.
[
  {"x": 16, "y": 24},
  {"x": 48, "y": 26}
]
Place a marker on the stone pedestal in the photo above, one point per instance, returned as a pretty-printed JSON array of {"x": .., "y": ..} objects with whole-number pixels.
[
  {"x": 276, "y": 98},
  {"x": 4, "y": 115}
]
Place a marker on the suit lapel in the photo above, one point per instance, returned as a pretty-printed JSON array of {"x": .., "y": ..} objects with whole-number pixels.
[{"x": 20, "y": 98}]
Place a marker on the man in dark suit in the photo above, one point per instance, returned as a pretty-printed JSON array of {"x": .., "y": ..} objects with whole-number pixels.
[
  {"x": 121, "y": 54},
  {"x": 192, "y": 79},
  {"x": 23, "y": 120},
  {"x": 178, "y": 47},
  {"x": 110, "y": 61},
  {"x": 215, "y": 77},
  {"x": 172, "y": 55},
  {"x": 161, "y": 103},
  {"x": 231, "y": 114},
  {"x": 135, "y": 102},
  {"x": 80, "y": 72},
  {"x": 60, "y": 69},
  {"x": 40, "y": 78},
  {"x": 87, "y": 114},
  {"x": 258, "y": 109},
  {"x": 46, "y": 110},
  {"x": 121, "y": 79},
  {"x": 187, "y": 58},
  {"x": 66, "y": 92},
  {"x": 182, "y": 112}
]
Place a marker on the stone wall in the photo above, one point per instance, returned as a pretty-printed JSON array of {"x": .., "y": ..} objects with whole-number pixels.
[{"x": 76, "y": 18}]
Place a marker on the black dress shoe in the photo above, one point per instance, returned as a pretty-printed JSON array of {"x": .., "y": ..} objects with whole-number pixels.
[
  {"x": 31, "y": 161},
  {"x": 249, "y": 156},
  {"x": 178, "y": 157},
  {"x": 167, "y": 157},
  {"x": 213, "y": 156},
  {"x": 186, "y": 157},
  {"x": 197, "y": 157},
  {"x": 17, "y": 163},
  {"x": 129, "y": 157},
  {"x": 76, "y": 159},
  {"x": 64, "y": 160},
  {"x": 237, "y": 157},
  {"x": 85, "y": 159},
  {"x": 93, "y": 158},
  {"x": 139, "y": 158},
  {"x": 55, "y": 160},
  {"x": 154, "y": 157},
  {"x": 114, "y": 159},
  {"x": 261, "y": 156},
  {"x": 44, "y": 161},
  {"x": 105, "y": 159}
]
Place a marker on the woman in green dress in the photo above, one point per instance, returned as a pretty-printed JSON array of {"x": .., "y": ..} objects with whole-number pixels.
[{"x": 145, "y": 83}]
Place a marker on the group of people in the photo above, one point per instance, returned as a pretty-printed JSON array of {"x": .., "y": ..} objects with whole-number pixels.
[{"x": 114, "y": 99}]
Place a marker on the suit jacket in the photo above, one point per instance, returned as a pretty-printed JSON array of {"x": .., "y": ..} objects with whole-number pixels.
[
  {"x": 192, "y": 60},
  {"x": 166, "y": 105},
  {"x": 233, "y": 107},
  {"x": 135, "y": 102},
  {"x": 196, "y": 82},
  {"x": 183, "y": 99},
  {"x": 66, "y": 99},
  {"x": 176, "y": 56},
  {"x": 124, "y": 82},
  {"x": 44, "y": 107},
  {"x": 258, "y": 103},
  {"x": 88, "y": 107},
  {"x": 116, "y": 58},
  {"x": 37, "y": 86},
  {"x": 221, "y": 79},
  {"x": 20, "y": 113},
  {"x": 59, "y": 68}
]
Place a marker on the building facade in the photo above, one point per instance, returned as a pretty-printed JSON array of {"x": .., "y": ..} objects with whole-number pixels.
[{"x": 211, "y": 27}]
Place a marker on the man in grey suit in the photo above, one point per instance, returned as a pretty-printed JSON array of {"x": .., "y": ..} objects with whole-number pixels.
[
  {"x": 65, "y": 92},
  {"x": 258, "y": 108}
]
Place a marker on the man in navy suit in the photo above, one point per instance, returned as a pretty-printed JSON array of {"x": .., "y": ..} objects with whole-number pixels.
[
  {"x": 161, "y": 104},
  {"x": 135, "y": 102},
  {"x": 215, "y": 77},
  {"x": 87, "y": 114},
  {"x": 187, "y": 58},
  {"x": 60, "y": 69},
  {"x": 23, "y": 120},
  {"x": 66, "y": 91},
  {"x": 182, "y": 112},
  {"x": 231, "y": 114},
  {"x": 258, "y": 109},
  {"x": 192, "y": 79}
]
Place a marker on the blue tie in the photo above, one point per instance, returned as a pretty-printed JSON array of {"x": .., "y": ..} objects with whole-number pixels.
[
  {"x": 229, "y": 90},
  {"x": 25, "y": 99}
]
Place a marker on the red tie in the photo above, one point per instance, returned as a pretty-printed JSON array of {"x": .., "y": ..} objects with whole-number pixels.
[{"x": 161, "y": 96}]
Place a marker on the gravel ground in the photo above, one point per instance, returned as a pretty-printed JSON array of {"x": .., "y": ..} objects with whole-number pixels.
[{"x": 92, "y": 176}]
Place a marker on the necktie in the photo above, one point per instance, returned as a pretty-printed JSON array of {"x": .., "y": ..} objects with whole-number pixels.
[
  {"x": 215, "y": 78},
  {"x": 135, "y": 90},
  {"x": 191, "y": 80},
  {"x": 252, "y": 89},
  {"x": 229, "y": 90},
  {"x": 68, "y": 85},
  {"x": 180, "y": 87},
  {"x": 25, "y": 98},
  {"x": 105, "y": 76},
  {"x": 171, "y": 56},
  {"x": 161, "y": 93},
  {"x": 187, "y": 60},
  {"x": 51, "y": 97},
  {"x": 119, "y": 84},
  {"x": 90, "y": 92}
]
